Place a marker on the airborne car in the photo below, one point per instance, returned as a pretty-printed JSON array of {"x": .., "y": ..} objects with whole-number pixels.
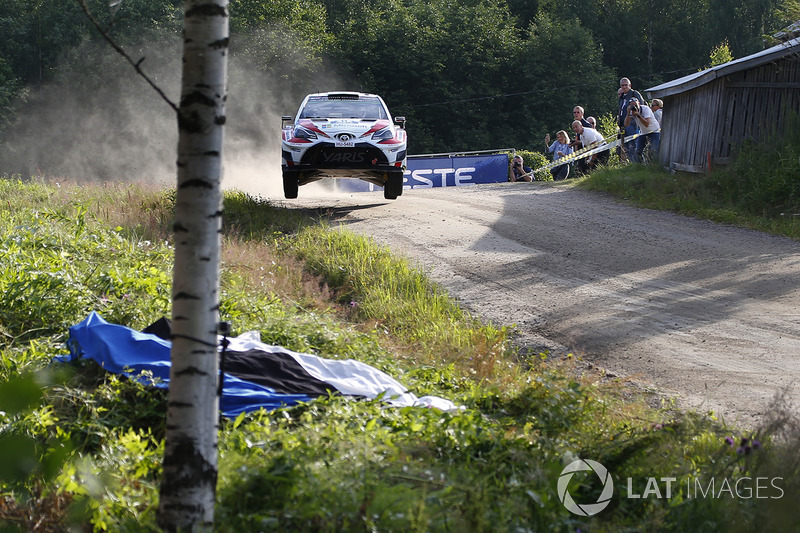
[{"x": 344, "y": 135}]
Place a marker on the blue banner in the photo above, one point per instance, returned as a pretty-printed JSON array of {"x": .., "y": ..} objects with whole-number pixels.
[{"x": 427, "y": 172}]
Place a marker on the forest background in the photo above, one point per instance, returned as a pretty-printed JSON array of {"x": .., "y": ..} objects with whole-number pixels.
[{"x": 467, "y": 74}]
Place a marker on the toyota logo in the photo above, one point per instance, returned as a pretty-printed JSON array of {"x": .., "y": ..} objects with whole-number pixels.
[{"x": 344, "y": 136}]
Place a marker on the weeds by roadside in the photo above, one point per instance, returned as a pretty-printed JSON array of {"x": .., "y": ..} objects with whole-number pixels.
[
  {"x": 760, "y": 190},
  {"x": 90, "y": 443}
]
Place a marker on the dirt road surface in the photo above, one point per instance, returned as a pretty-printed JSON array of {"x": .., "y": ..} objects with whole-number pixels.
[{"x": 704, "y": 313}]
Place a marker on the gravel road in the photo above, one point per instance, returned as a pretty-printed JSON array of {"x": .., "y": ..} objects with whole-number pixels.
[{"x": 702, "y": 312}]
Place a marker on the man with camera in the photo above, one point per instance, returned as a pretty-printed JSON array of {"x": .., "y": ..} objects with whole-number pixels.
[
  {"x": 649, "y": 130},
  {"x": 626, "y": 93},
  {"x": 518, "y": 171}
]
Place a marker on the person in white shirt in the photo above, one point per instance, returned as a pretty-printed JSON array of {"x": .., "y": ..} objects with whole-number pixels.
[
  {"x": 590, "y": 137},
  {"x": 649, "y": 130},
  {"x": 577, "y": 114},
  {"x": 658, "y": 107}
]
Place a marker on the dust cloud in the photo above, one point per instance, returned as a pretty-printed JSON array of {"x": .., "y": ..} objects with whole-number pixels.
[{"x": 100, "y": 121}]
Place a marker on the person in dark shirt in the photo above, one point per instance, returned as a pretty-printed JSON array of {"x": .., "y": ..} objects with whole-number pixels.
[
  {"x": 518, "y": 170},
  {"x": 626, "y": 94}
]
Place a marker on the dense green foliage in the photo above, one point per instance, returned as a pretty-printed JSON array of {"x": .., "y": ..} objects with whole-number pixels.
[
  {"x": 37, "y": 34},
  {"x": 82, "y": 448},
  {"x": 469, "y": 74}
]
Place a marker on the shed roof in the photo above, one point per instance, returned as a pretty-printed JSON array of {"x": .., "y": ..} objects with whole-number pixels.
[
  {"x": 697, "y": 79},
  {"x": 789, "y": 32}
]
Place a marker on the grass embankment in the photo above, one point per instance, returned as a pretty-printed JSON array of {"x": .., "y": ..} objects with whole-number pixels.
[
  {"x": 83, "y": 448},
  {"x": 760, "y": 190}
]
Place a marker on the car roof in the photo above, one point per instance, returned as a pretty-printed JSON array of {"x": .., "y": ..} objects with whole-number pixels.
[
  {"x": 343, "y": 96},
  {"x": 344, "y": 93}
]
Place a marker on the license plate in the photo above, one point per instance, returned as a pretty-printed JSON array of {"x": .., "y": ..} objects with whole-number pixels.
[{"x": 345, "y": 144}]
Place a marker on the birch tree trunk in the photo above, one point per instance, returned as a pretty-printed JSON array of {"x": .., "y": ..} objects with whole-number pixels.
[{"x": 190, "y": 456}]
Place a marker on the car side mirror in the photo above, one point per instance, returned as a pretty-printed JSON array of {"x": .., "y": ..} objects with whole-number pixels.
[
  {"x": 400, "y": 121},
  {"x": 285, "y": 119}
]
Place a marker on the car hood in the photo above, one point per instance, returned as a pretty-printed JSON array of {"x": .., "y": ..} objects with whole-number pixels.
[{"x": 331, "y": 127}]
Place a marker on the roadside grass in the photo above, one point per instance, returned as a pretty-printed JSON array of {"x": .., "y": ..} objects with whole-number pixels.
[
  {"x": 759, "y": 190},
  {"x": 394, "y": 298},
  {"x": 82, "y": 448}
]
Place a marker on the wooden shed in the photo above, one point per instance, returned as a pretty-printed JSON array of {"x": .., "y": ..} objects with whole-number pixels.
[{"x": 708, "y": 113}]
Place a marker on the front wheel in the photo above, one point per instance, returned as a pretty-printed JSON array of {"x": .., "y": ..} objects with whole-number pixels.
[
  {"x": 290, "y": 186},
  {"x": 393, "y": 186}
]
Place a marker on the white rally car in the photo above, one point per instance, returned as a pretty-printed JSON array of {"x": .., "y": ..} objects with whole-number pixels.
[{"x": 344, "y": 135}]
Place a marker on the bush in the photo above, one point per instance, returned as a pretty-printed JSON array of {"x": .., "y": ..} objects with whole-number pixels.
[
  {"x": 765, "y": 177},
  {"x": 536, "y": 160}
]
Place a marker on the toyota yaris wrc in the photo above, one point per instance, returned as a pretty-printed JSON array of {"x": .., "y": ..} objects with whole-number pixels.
[{"x": 344, "y": 135}]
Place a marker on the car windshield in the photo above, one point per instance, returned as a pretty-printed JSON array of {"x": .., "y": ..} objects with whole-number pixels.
[{"x": 362, "y": 108}]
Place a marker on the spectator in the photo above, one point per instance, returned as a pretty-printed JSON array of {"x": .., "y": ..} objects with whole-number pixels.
[
  {"x": 592, "y": 121},
  {"x": 658, "y": 107},
  {"x": 518, "y": 170},
  {"x": 625, "y": 94},
  {"x": 560, "y": 148},
  {"x": 621, "y": 151},
  {"x": 649, "y": 130},
  {"x": 590, "y": 137},
  {"x": 577, "y": 114}
]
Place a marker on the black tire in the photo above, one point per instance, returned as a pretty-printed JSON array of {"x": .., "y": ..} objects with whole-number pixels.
[
  {"x": 290, "y": 186},
  {"x": 393, "y": 186}
]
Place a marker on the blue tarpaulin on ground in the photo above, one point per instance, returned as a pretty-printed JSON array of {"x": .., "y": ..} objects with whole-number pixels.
[
  {"x": 139, "y": 356},
  {"x": 276, "y": 376}
]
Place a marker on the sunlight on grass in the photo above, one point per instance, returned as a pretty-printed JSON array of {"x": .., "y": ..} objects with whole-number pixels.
[
  {"x": 387, "y": 292},
  {"x": 82, "y": 448},
  {"x": 761, "y": 190}
]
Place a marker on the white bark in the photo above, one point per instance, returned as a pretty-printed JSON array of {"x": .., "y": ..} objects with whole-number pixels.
[{"x": 190, "y": 456}]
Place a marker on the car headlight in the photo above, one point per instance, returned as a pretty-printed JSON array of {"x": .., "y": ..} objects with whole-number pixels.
[
  {"x": 302, "y": 133},
  {"x": 385, "y": 133}
]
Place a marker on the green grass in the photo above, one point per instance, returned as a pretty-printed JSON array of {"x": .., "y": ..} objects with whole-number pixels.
[
  {"x": 760, "y": 190},
  {"x": 82, "y": 449}
]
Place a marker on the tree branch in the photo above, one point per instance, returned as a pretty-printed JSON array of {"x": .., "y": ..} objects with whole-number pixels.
[{"x": 135, "y": 64}]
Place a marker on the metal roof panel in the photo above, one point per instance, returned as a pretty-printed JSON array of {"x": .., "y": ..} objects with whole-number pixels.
[{"x": 698, "y": 79}]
